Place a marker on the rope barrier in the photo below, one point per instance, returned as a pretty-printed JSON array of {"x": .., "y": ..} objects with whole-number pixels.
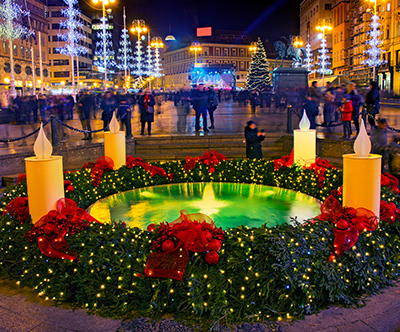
[
  {"x": 80, "y": 130},
  {"x": 23, "y": 137}
]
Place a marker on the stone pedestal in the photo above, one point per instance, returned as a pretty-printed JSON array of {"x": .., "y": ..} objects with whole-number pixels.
[{"x": 290, "y": 81}]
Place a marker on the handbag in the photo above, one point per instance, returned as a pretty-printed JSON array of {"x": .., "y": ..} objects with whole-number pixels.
[{"x": 150, "y": 109}]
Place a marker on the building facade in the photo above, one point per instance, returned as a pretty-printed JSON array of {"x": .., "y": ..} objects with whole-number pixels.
[
  {"x": 26, "y": 53},
  {"x": 60, "y": 64}
]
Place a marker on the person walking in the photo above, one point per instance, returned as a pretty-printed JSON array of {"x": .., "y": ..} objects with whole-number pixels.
[
  {"x": 379, "y": 140},
  {"x": 84, "y": 107},
  {"x": 253, "y": 137},
  {"x": 182, "y": 104},
  {"x": 107, "y": 106},
  {"x": 146, "y": 106},
  {"x": 199, "y": 100},
  {"x": 212, "y": 104},
  {"x": 347, "y": 110},
  {"x": 355, "y": 98},
  {"x": 122, "y": 112},
  {"x": 254, "y": 101},
  {"x": 329, "y": 98},
  {"x": 373, "y": 99}
]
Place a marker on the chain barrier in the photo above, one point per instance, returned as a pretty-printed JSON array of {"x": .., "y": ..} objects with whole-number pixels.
[
  {"x": 80, "y": 130},
  {"x": 323, "y": 126},
  {"x": 23, "y": 137}
]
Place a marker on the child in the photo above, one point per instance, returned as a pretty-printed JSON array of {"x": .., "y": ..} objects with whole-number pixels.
[{"x": 346, "y": 110}]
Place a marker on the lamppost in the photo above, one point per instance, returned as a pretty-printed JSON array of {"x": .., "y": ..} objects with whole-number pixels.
[
  {"x": 297, "y": 43},
  {"x": 103, "y": 20},
  {"x": 195, "y": 48},
  {"x": 157, "y": 43},
  {"x": 139, "y": 26},
  {"x": 324, "y": 25},
  {"x": 253, "y": 47}
]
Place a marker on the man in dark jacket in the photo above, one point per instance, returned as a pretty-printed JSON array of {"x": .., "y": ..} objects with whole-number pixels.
[
  {"x": 199, "y": 99},
  {"x": 84, "y": 107},
  {"x": 212, "y": 104},
  {"x": 253, "y": 137},
  {"x": 146, "y": 106},
  {"x": 372, "y": 100}
]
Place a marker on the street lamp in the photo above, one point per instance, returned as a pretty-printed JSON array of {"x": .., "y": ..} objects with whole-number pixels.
[
  {"x": 195, "y": 48},
  {"x": 139, "y": 27},
  {"x": 156, "y": 43},
  {"x": 298, "y": 41},
  {"x": 253, "y": 47},
  {"x": 324, "y": 25},
  {"x": 103, "y": 21}
]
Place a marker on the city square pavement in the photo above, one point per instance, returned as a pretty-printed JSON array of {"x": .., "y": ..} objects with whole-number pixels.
[
  {"x": 22, "y": 311},
  {"x": 230, "y": 118}
]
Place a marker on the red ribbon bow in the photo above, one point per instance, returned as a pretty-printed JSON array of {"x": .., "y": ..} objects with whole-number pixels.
[
  {"x": 390, "y": 181},
  {"x": 18, "y": 208},
  {"x": 209, "y": 158},
  {"x": 102, "y": 165},
  {"x": 348, "y": 224},
  {"x": 194, "y": 232},
  {"x": 285, "y": 161},
  {"x": 51, "y": 229},
  {"x": 153, "y": 170}
]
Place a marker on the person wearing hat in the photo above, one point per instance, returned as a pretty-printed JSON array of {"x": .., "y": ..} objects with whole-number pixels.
[
  {"x": 253, "y": 137},
  {"x": 346, "y": 110}
]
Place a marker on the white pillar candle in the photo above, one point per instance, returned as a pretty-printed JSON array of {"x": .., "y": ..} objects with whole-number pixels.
[
  {"x": 114, "y": 144},
  {"x": 44, "y": 178},
  {"x": 362, "y": 175},
  {"x": 304, "y": 142}
]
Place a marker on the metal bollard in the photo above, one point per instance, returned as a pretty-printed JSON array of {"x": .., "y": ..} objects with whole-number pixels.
[
  {"x": 289, "y": 123},
  {"x": 128, "y": 124},
  {"x": 53, "y": 127}
]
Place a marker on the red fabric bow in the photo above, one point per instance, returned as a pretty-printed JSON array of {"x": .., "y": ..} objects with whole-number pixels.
[
  {"x": 194, "y": 232},
  {"x": 153, "y": 170},
  {"x": 390, "y": 181},
  {"x": 21, "y": 177},
  {"x": 348, "y": 224},
  {"x": 285, "y": 161},
  {"x": 51, "y": 229},
  {"x": 209, "y": 158},
  {"x": 319, "y": 167},
  {"x": 18, "y": 208},
  {"x": 389, "y": 212},
  {"x": 102, "y": 165}
]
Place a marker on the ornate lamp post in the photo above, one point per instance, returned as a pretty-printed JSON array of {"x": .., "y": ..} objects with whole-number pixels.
[
  {"x": 195, "y": 48},
  {"x": 139, "y": 27},
  {"x": 157, "y": 43},
  {"x": 253, "y": 47},
  {"x": 297, "y": 43},
  {"x": 103, "y": 21},
  {"x": 324, "y": 25}
]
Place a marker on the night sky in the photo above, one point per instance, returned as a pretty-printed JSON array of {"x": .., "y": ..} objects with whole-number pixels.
[{"x": 265, "y": 19}]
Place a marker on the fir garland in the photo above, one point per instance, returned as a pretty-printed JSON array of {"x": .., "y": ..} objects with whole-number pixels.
[{"x": 263, "y": 273}]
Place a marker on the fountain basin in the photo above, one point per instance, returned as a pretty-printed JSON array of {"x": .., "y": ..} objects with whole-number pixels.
[{"x": 228, "y": 204}]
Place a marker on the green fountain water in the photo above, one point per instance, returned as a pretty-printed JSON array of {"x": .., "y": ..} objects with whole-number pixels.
[{"x": 228, "y": 204}]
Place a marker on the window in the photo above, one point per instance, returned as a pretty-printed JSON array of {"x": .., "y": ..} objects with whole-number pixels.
[
  {"x": 55, "y": 50},
  {"x": 388, "y": 7},
  {"x": 22, "y": 51},
  {"x": 388, "y": 32},
  {"x": 7, "y": 67},
  {"x": 5, "y": 47},
  {"x": 56, "y": 14},
  {"x": 328, "y": 6},
  {"x": 242, "y": 65},
  {"x": 55, "y": 26},
  {"x": 225, "y": 52},
  {"x": 27, "y": 53},
  {"x": 242, "y": 51},
  {"x": 36, "y": 55},
  {"x": 17, "y": 69},
  {"x": 217, "y": 51},
  {"x": 43, "y": 56},
  {"x": 341, "y": 36},
  {"x": 43, "y": 42},
  {"x": 234, "y": 52},
  {"x": 28, "y": 70},
  {"x": 15, "y": 50}
]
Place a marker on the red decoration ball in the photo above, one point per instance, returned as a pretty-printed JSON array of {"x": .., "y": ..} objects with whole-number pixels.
[
  {"x": 168, "y": 245},
  {"x": 70, "y": 188},
  {"x": 342, "y": 225},
  {"x": 212, "y": 258},
  {"x": 49, "y": 229},
  {"x": 215, "y": 245},
  {"x": 151, "y": 227},
  {"x": 208, "y": 235}
]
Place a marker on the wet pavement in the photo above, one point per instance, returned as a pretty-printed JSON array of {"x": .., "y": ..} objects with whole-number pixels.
[{"x": 230, "y": 118}]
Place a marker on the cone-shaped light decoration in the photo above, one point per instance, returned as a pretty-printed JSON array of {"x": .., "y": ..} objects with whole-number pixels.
[
  {"x": 362, "y": 145},
  {"x": 42, "y": 146},
  {"x": 304, "y": 122},
  {"x": 114, "y": 125}
]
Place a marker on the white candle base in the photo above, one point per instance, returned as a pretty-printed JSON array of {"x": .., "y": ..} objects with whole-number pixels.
[
  {"x": 115, "y": 148},
  {"x": 45, "y": 182},
  {"x": 362, "y": 182},
  {"x": 304, "y": 146}
]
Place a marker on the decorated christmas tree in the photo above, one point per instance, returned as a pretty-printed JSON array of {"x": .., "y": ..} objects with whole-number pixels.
[
  {"x": 258, "y": 76},
  {"x": 104, "y": 51}
]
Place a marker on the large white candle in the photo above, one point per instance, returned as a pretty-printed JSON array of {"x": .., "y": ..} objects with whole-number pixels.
[
  {"x": 304, "y": 142},
  {"x": 114, "y": 144},
  {"x": 362, "y": 175},
  {"x": 44, "y": 178}
]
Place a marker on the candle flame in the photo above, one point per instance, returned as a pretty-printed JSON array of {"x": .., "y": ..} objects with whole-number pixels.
[
  {"x": 304, "y": 122},
  {"x": 114, "y": 125},
  {"x": 42, "y": 146},
  {"x": 362, "y": 145}
]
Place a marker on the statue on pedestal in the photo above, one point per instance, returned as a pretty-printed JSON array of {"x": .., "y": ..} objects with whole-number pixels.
[{"x": 289, "y": 51}]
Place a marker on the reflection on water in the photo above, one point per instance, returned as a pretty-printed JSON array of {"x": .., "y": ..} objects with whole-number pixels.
[{"x": 228, "y": 204}]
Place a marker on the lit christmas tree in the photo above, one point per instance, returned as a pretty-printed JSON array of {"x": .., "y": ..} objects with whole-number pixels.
[
  {"x": 149, "y": 58},
  {"x": 374, "y": 51},
  {"x": 323, "y": 62},
  {"x": 157, "y": 44},
  {"x": 139, "y": 69},
  {"x": 10, "y": 29},
  {"x": 125, "y": 56},
  {"x": 72, "y": 37},
  {"x": 258, "y": 76},
  {"x": 308, "y": 59},
  {"x": 104, "y": 51}
]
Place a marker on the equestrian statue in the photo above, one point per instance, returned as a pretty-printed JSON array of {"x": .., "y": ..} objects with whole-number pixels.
[{"x": 289, "y": 51}]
